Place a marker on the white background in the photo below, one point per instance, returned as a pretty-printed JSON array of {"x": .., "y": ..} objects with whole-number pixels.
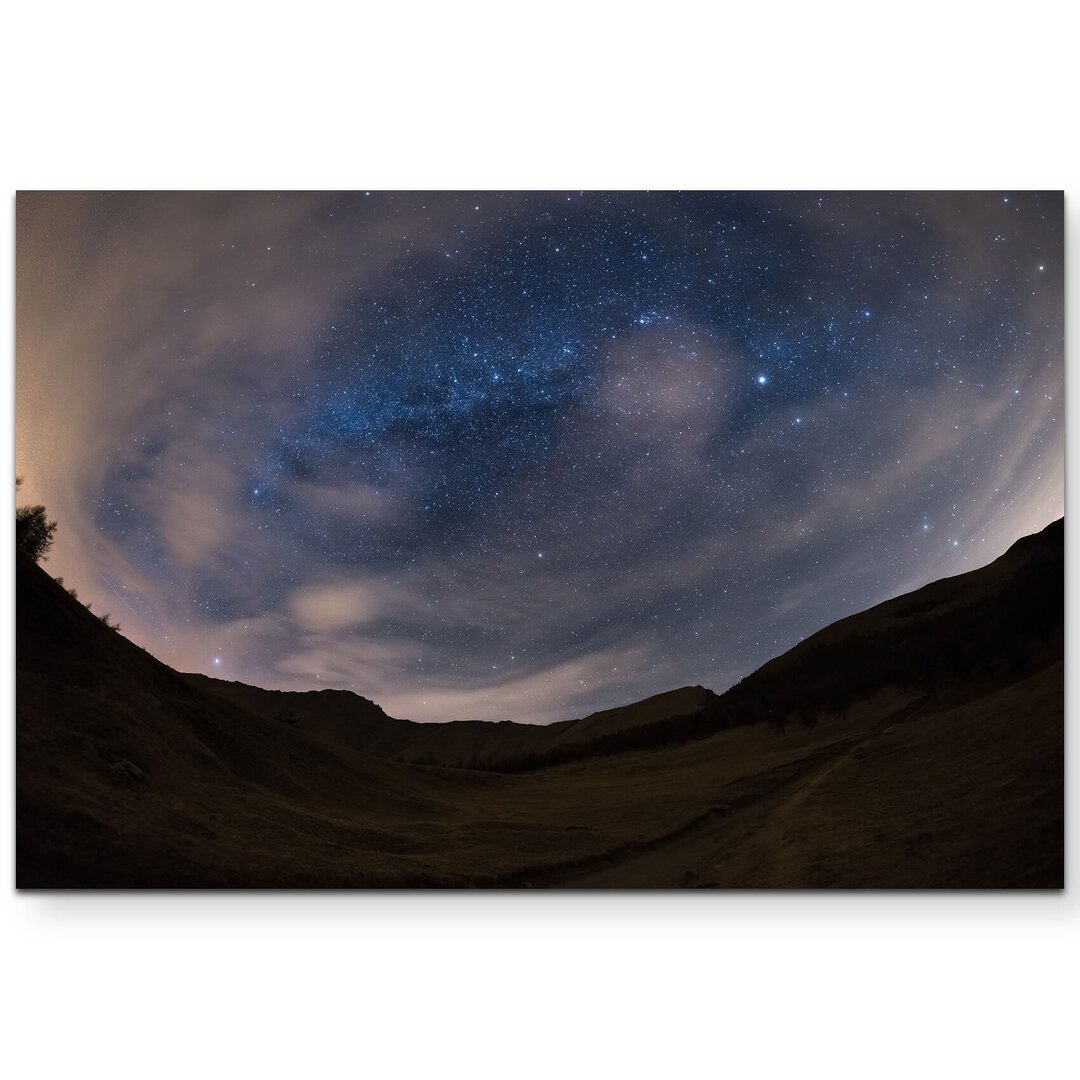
[{"x": 566, "y": 95}]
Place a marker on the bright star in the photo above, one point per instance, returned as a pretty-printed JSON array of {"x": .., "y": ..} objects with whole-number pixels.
[{"x": 761, "y": 380}]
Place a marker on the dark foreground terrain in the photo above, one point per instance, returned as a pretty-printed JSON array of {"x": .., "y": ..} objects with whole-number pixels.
[{"x": 920, "y": 743}]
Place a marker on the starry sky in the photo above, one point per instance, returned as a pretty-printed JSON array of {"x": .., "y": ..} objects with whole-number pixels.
[{"x": 512, "y": 455}]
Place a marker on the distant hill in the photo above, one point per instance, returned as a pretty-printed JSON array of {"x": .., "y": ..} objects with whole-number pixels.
[
  {"x": 335, "y": 715},
  {"x": 342, "y": 717}
]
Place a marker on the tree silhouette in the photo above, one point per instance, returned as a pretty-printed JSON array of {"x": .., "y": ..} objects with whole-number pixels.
[{"x": 33, "y": 531}]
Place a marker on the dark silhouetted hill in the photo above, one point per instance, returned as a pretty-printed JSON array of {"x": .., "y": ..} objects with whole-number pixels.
[
  {"x": 127, "y": 774},
  {"x": 342, "y": 717},
  {"x": 993, "y": 624}
]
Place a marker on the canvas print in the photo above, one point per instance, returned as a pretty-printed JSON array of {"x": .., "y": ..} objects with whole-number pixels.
[{"x": 561, "y": 539}]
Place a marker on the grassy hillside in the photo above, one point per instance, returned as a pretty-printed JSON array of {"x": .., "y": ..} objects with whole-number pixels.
[{"x": 968, "y": 795}]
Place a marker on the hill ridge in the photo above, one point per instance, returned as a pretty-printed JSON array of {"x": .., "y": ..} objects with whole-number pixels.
[{"x": 694, "y": 711}]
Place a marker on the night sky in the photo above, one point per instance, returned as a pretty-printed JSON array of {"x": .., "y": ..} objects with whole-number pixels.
[{"x": 524, "y": 456}]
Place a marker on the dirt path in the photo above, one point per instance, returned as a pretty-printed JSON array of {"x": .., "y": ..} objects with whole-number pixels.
[{"x": 679, "y": 859}]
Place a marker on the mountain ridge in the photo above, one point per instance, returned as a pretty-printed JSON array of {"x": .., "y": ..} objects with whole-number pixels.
[
  {"x": 503, "y": 745},
  {"x": 683, "y": 713}
]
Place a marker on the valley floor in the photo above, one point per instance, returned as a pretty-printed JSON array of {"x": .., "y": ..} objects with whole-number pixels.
[{"x": 904, "y": 792}]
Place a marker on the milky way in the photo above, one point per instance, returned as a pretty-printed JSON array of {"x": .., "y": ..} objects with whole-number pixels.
[{"x": 512, "y": 455}]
